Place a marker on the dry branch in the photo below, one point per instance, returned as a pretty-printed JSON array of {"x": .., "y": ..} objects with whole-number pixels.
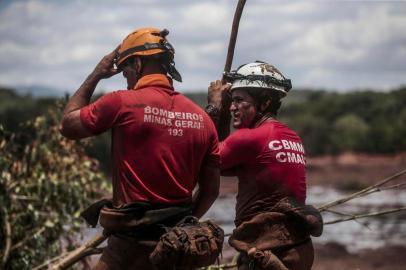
[
  {"x": 50, "y": 261},
  {"x": 28, "y": 237},
  {"x": 360, "y": 193},
  {"x": 338, "y": 213},
  {"x": 88, "y": 248},
  {"x": 354, "y": 217},
  {"x": 7, "y": 231},
  {"x": 348, "y": 215},
  {"x": 396, "y": 186}
]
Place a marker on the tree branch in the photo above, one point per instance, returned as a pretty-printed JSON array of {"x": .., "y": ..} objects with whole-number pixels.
[
  {"x": 339, "y": 213},
  {"x": 50, "y": 261},
  {"x": 27, "y": 237},
  {"x": 348, "y": 215},
  {"x": 354, "y": 217},
  {"x": 23, "y": 198},
  {"x": 88, "y": 248},
  {"x": 360, "y": 193},
  {"x": 399, "y": 185},
  {"x": 7, "y": 245}
]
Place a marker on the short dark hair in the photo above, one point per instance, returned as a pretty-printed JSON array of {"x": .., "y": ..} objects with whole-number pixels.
[
  {"x": 159, "y": 58},
  {"x": 261, "y": 95}
]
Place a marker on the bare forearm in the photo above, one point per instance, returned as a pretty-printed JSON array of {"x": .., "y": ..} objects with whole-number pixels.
[
  {"x": 103, "y": 70},
  {"x": 202, "y": 202},
  {"x": 209, "y": 186},
  {"x": 82, "y": 96}
]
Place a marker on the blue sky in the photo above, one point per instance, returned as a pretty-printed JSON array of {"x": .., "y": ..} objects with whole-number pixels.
[{"x": 338, "y": 45}]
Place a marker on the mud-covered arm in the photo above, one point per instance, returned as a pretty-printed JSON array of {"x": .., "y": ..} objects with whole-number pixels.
[
  {"x": 71, "y": 125},
  {"x": 209, "y": 174},
  {"x": 219, "y": 101},
  {"x": 208, "y": 190}
]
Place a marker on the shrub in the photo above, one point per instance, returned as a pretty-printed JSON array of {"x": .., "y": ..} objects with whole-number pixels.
[{"x": 45, "y": 182}]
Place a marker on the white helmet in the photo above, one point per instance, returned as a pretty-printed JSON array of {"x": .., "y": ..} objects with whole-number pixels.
[{"x": 259, "y": 75}]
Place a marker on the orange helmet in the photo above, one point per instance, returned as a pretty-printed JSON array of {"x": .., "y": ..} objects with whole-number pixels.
[
  {"x": 144, "y": 41},
  {"x": 148, "y": 41}
]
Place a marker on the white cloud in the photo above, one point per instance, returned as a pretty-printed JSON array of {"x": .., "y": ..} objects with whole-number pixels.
[
  {"x": 318, "y": 43},
  {"x": 205, "y": 15}
]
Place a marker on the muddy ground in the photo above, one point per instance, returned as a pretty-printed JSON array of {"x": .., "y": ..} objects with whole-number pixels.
[{"x": 333, "y": 256}]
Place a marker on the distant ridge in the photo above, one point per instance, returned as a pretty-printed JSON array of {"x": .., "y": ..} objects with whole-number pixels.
[{"x": 36, "y": 90}]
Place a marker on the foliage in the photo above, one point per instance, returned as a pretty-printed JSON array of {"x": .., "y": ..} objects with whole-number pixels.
[
  {"x": 349, "y": 132},
  {"x": 328, "y": 122},
  {"x": 16, "y": 109},
  {"x": 331, "y": 122},
  {"x": 45, "y": 182}
]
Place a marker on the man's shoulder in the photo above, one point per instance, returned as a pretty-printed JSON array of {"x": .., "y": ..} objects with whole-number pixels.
[
  {"x": 280, "y": 130},
  {"x": 183, "y": 102},
  {"x": 114, "y": 94},
  {"x": 244, "y": 136},
  {"x": 191, "y": 103}
]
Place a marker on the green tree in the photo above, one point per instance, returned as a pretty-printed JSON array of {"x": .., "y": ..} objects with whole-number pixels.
[
  {"x": 45, "y": 182},
  {"x": 313, "y": 130},
  {"x": 349, "y": 133}
]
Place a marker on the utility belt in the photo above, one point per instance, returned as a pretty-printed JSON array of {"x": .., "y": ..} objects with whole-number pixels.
[
  {"x": 180, "y": 240},
  {"x": 138, "y": 219}
]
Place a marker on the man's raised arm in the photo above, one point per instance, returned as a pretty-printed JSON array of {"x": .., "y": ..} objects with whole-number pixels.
[{"x": 71, "y": 126}]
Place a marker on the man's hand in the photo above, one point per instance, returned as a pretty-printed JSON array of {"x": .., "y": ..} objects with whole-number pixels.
[
  {"x": 218, "y": 93},
  {"x": 219, "y": 96},
  {"x": 105, "y": 68}
]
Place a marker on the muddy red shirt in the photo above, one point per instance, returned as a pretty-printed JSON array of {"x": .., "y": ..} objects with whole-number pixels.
[
  {"x": 270, "y": 164},
  {"x": 160, "y": 139}
]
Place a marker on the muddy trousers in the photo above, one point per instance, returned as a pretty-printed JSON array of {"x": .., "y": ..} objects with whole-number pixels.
[
  {"x": 124, "y": 252},
  {"x": 297, "y": 258}
]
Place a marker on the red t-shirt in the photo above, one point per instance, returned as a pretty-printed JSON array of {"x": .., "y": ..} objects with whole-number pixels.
[
  {"x": 270, "y": 164},
  {"x": 160, "y": 140}
]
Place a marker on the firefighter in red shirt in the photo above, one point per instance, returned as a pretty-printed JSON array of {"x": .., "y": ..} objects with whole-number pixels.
[
  {"x": 163, "y": 145},
  {"x": 273, "y": 223}
]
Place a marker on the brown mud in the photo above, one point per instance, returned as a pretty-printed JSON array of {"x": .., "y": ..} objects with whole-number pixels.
[{"x": 333, "y": 256}]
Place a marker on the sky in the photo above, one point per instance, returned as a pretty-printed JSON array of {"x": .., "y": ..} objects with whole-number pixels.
[{"x": 333, "y": 45}]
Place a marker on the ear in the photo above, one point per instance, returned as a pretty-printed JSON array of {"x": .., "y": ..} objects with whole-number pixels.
[
  {"x": 137, "y": 64},
  {"x": 265, "y": 105}
]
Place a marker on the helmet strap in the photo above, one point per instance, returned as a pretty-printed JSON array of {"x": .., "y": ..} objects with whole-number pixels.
[
  {"x": 174, "y": 72},
  {"x": 261, "y": 118},
  {"x": 169, "y": 66}
]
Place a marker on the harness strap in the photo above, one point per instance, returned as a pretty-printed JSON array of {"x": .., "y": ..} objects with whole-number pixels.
[{"x": 147, "y": 46}]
